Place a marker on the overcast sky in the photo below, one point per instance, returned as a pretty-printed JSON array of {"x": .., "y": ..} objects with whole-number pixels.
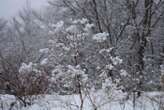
[{"x": 9, "y": 8}]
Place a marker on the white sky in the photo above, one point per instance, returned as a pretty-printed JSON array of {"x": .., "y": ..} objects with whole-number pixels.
[{"x": 9, "y": 8}]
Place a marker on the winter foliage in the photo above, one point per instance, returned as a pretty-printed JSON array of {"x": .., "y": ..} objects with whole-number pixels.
[{"x": 93, "y": 50}]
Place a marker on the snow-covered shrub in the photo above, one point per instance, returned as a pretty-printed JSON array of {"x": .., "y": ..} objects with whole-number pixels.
[
  {"x": 34, "y": 79},
  {"x": 25, "y": 82},
  {"x": 76, "y": 48},
  {"x": 64, "y": 79}
]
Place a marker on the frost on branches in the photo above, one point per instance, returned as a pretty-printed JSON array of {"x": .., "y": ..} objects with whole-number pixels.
[
  {"x": 100, "y": 37},
  {"x": 73, "y": 52},
  {"x": 28, "y": 68}
]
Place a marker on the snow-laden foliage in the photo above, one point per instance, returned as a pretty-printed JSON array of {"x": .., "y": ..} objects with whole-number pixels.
[
  {"x": 27, "y": 68},
  {"x": 83, "y": 46},
  {"x": 100, "y": 37},
  {"x": 75, "y": 55},
  {"x": 131, "y": 29}
]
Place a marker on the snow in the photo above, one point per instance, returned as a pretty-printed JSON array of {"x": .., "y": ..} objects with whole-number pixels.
[
  {"x": 81, "y": 21},
  {"x": 71, "y": 37},
  {"x": 58, "y": 26},
  {"x": 44, "y": 51},
  {"x": 26, "y": 68},
  {"x": 44, "y": 61},
  {"x": 101, "y": 100},
  {"x": 88, "y": 27},
  {"x": 72, "y": 29},
  {"x": 123, "y": 72},
  {"x": 110, "y": 66},
  {"x": 116, "y": 60},
  {"x": 75, "y": 70},
  {"x": 105, "y": 50},
  {"x": 100, "y": 37},
  {"x": 51, "y": 32}
]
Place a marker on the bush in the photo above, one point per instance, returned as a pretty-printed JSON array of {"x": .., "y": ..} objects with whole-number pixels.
[{"x": 24, "y": 81}]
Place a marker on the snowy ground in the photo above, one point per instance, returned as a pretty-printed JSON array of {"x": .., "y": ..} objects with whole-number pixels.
[{"x": 148, "y": 101}]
